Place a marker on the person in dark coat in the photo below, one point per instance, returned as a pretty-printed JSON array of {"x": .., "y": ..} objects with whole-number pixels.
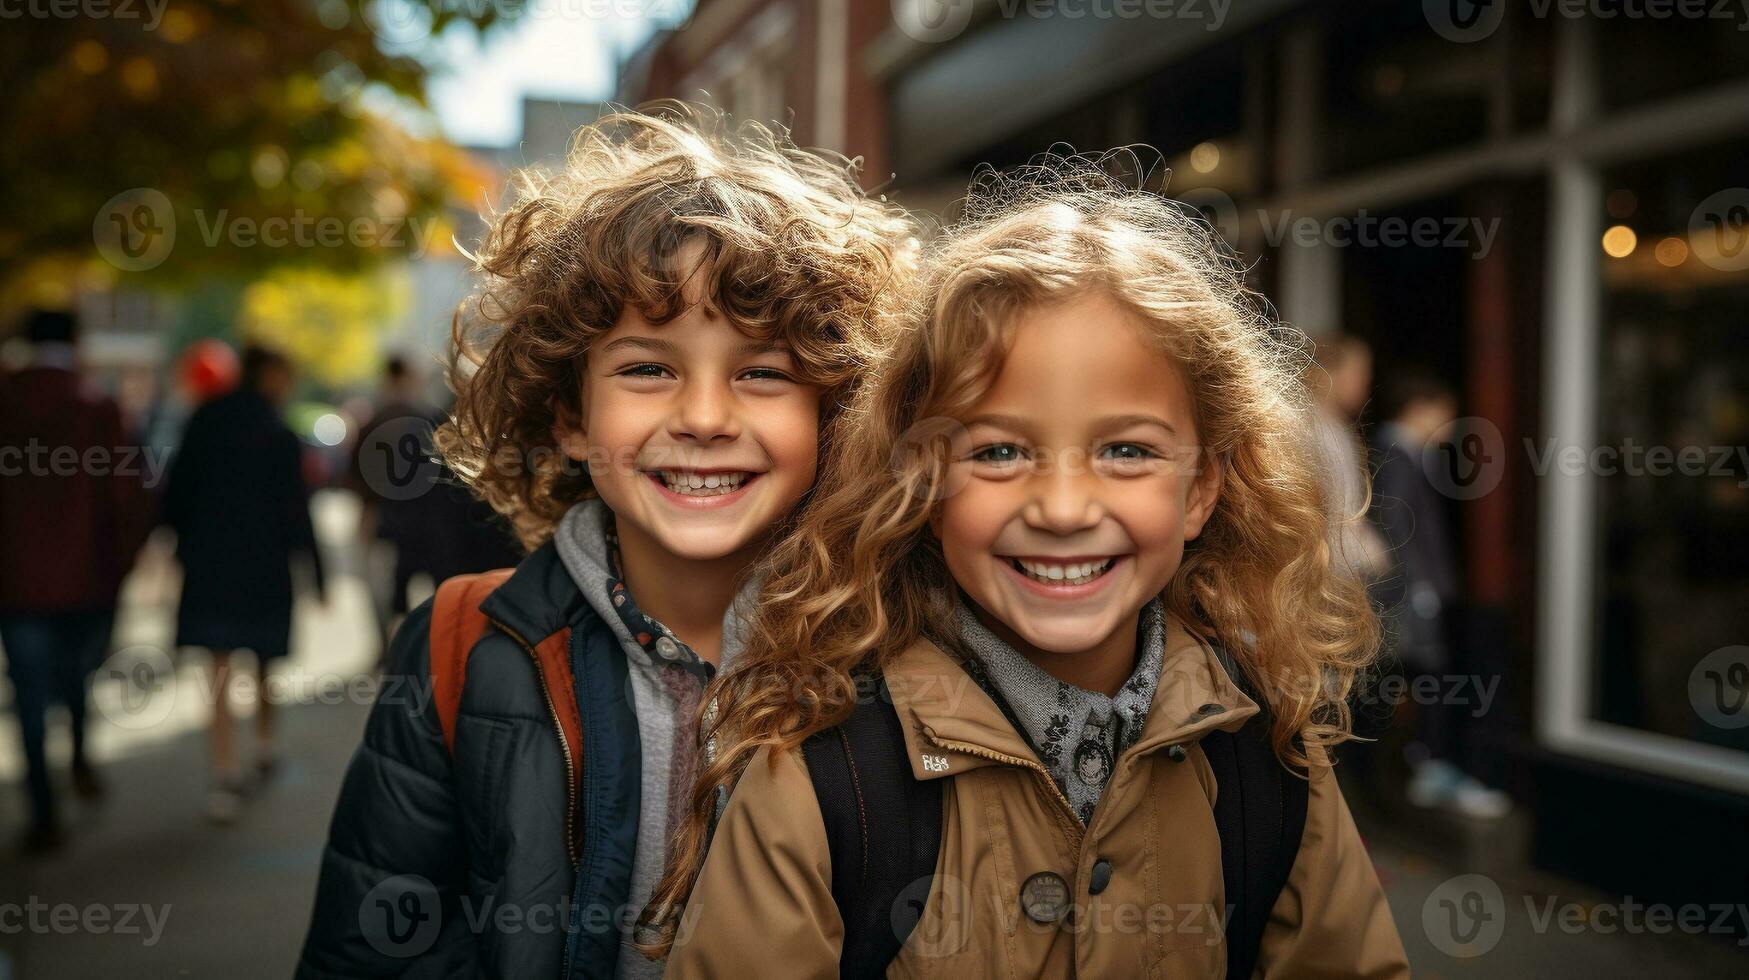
[
  {"x": 73, "y": 511},
  {"x": 241, "y": 510},
  {"x": 1419, "y": 595}
]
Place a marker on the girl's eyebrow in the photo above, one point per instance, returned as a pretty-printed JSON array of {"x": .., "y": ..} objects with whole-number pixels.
[{"x": 1111, "y": 422}]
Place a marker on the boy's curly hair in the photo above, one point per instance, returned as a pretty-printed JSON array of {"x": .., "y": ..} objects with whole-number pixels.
[{"x": 784, "y": 241}]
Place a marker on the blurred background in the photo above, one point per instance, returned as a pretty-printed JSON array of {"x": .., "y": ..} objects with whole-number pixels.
[{"x": 237, "y": 229}]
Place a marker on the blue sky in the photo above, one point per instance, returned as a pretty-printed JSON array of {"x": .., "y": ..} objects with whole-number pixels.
[{"x": 555, "y": 51}]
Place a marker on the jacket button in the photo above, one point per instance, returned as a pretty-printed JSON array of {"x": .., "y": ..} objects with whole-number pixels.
[
  {"x": 1210, "y": 709},
  {"x": 668, "y": 648},
  {"x": 1101, "y": 877},
  {"x": 1176, "y": 753},
  {"x": 1045, "y": 897}
]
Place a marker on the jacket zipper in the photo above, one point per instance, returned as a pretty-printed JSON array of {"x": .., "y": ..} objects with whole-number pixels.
[
  {"x": 564, "y": 747},
  {"x": 1076, "y": 830}
]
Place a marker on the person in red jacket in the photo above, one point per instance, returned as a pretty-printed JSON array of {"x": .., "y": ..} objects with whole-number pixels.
[{"x": 71, "y": 509}]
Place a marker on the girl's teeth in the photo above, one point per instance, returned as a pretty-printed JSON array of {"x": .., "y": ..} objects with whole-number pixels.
[
  {"x": 712, "y": 485},
  {"x": 1077, "y": 574}
]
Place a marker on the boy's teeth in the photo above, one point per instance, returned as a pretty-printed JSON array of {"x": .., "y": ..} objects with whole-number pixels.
[
  {"x": 1079, "y": 573},
  {"x": 703, "y": 485}
]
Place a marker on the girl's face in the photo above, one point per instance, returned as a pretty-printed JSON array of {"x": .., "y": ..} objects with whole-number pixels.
[
  {"x": 1081, "y": 479},
  {"x": 697, "y": 437}
]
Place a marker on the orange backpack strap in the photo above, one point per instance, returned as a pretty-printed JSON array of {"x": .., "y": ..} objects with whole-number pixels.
[{"x": 456, "y": 625}]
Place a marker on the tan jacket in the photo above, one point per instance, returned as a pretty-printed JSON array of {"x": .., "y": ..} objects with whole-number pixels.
[{"x": 763, "y": 906}]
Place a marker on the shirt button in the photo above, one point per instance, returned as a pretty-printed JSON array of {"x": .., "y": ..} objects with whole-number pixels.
[
  {"x": 668, "y": 648},
  {"x": 1101, "y": 877},
  {"x": 1176, "y": 753}
]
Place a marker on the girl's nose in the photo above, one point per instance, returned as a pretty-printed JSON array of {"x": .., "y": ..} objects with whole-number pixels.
[{"x": 1063, "y": 502}]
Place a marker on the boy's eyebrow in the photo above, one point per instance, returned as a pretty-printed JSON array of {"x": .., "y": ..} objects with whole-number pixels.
[
  {"x": 654, "y": 345},
  {"x": 657, "y": 345},
  {"x": 1013, "y": 422}
]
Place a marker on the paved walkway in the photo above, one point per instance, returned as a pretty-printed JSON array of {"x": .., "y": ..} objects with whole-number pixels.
[{"x": 148, "y": 888}]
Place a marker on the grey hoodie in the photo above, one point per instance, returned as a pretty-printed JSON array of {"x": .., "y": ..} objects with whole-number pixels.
[{"x": 664, "y": 696}]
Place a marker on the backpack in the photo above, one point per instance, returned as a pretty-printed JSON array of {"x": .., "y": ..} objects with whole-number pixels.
[
  {"x": 883, "y": 827},
  {"x": 457, "y": 623}
]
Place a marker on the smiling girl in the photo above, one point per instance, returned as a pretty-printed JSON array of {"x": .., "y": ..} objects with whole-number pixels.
[{"x": 1076, "y": 545}]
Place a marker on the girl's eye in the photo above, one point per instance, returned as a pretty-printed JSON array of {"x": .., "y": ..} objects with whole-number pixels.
[
  {"x": 764, "y": 374},
  {"x": 646, "y": 371},
  {"x": 1001, "y": 454},
  {"x": 1128, "y": 452}
]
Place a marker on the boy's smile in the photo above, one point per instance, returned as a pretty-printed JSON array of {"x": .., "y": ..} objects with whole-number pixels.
[{"x": 1080, "y": 484}]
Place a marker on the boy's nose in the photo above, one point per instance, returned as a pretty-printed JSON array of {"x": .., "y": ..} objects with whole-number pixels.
[{"x": 705, "y": 412}]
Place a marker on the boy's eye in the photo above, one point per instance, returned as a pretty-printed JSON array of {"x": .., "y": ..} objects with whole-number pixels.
[
  {"x": 1001, "y": 454},
  {"x": 646, "y": 370}
]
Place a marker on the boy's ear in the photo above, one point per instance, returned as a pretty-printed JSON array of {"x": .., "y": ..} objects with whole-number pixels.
[
  {"x": 1204, "y": 493},
  {"x": 569, "y": 433}
]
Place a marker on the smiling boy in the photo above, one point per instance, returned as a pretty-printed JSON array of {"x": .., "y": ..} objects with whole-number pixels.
[{"x": 668, "y": 329}]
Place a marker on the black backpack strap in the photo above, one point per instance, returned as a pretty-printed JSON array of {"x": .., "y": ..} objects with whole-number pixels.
[
  {"x": 883, "y": 826},
  {"x": 1260, "y": 812}
]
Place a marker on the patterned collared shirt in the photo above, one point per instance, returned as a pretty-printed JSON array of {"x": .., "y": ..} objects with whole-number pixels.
[
  {"x": 1078, "y": 734},
  {"x": 657, "y": 640}
]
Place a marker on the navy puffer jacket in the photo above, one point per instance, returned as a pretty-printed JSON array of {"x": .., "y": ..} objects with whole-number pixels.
[{"x": 492, "y": 862}]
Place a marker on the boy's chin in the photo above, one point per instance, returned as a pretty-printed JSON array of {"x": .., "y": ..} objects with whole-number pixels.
[{"x": 702, "y": 543}]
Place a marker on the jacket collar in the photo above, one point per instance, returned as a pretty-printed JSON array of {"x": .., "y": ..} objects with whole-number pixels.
[
  {"x": 539, "y": 599},
  {"x": 952, "y": 726}
]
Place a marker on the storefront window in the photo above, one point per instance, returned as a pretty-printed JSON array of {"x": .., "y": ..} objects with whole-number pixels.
[{"x": 1672, "y": 469}]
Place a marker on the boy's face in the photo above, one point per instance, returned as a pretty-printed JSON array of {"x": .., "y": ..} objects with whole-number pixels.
[
  {"x": 1082, "y": 480},
  {"x": 698, "y": 438}
]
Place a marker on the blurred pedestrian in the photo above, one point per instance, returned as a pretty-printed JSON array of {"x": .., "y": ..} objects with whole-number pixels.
[
  {"x": 392, "y": 519},
  {"x": 1341, "y": 382},
  {"x": 241, "y": 510},
  {"x": 1421, "y": 593},
  {"x": 73, "y": 512}
]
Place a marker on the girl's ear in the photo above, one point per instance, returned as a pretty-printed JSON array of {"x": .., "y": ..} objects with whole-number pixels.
[{"x": 1204, "y": 493}]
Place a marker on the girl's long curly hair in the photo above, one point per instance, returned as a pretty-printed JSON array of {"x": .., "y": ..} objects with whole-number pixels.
[
  {"x": 862, "y": 578},
  {"x": 783, "y": 240}
]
